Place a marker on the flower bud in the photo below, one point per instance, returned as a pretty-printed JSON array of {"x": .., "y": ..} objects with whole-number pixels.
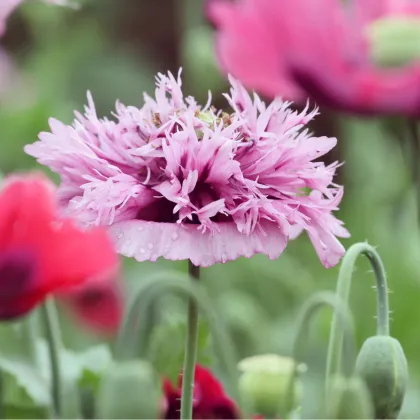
[
  {"x": 266, "y": 384},
  {"x": 395, "y": 41},
  {"x": 383, "y": 366},
  {"x": 129, "y": 390},
  {"x": 348, "y": 398}
]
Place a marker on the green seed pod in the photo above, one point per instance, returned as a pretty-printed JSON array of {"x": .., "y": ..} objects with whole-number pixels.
[
  {"x": 129, "y": 390},
  {"x": 383, "y": 366},
  {"x": 266, "y": 383},
  {"x": 348, "y": 398}
]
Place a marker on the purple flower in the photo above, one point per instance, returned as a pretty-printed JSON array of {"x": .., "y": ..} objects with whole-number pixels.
[{"x": 176, "y": 180}]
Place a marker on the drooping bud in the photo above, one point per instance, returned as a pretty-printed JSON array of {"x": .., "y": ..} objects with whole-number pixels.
[
  {"x": 383, "y": 366},
  {"x": 395, "y": 41},
  {"x": 348, "y": 398},
  {"x": 129, "y": 390},
  {"x": 267, "y": 383}
]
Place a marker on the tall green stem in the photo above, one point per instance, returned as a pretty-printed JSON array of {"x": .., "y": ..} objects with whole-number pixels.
[
  {"x": 53, "y": 336},
  {"x": 190, "y": 351},
  {"x": 134, "y": 335},
  {"x": 343, "y": 292}
]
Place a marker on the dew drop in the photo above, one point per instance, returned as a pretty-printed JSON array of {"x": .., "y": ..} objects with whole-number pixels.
[
  {"x": 140, "y": 228},
  {"x": 150, "y": 245},
  {"x": 142, "y": 251},
  {"x": 175, "y": 236},
  {"x": 224, "y": 257},
  {"x": 120, "y": 235}
]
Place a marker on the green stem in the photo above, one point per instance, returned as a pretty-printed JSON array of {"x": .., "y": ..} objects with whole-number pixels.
[
  {"x": 29, "y": 329},
  {"x": 190, "y": 351},
  {"x": 134, "y": 336},
  {"x": 344, "y": 319},
  {"x": 53, "y": 336},
  {"x": 343, "y": 292}
]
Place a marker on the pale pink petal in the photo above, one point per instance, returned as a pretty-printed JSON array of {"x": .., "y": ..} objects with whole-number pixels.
[{"x": 149, "y": 240}]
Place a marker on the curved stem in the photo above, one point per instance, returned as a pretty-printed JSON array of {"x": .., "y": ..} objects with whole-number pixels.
[
  {"x": 133, "y": 333},
  {"x": 344, "y": 318},
  {"x": 53, "y": 336},
  {"x": 343, "y": 291},
  {"x": 190, "y": 351}
]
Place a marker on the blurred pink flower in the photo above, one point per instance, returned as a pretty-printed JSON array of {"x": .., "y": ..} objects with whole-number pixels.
[
  {"x": 178, "y": 181},
  {"x": 97, "y": 305},
  {"x": 318, "y": 49}
]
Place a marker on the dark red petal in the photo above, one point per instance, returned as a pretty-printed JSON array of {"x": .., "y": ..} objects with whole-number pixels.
[
  {"x": 172, "y": 403},
  {"x": 210, "y": 400}
]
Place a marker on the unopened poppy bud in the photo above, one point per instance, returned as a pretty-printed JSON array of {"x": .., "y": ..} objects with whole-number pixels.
[
  {"x": 348, "y": 398},
  {"x": 266, "y": 384},
  {"x": 129, "y": 390},
  {"x": 383, "y": 366},
  {"x": 395, "y": 40}
]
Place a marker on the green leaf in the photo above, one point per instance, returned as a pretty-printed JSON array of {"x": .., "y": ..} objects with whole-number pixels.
[
  {"x": 23, "y": 381},
  {"x": 168, "y": 359},
  {"x": 13, "y": 411},
  {"x": 75, "y": 366}
]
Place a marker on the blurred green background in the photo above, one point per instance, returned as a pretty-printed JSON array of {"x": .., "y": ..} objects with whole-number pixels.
[{"x": 114, "y": 48}]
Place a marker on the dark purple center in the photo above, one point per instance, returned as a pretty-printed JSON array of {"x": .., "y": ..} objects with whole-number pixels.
[{"x": 17, "y": 276}]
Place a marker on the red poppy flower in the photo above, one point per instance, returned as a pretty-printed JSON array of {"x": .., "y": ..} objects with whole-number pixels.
[
  {"x": 210, "y": 400},
  {"x": 41, "y": 252},
  {"x": 323, "y": 49},
  {"x": 97, "y": 305}
]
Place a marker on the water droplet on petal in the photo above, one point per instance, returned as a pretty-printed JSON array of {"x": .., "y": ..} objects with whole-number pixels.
[
  {"x": 120, "y": 235},
  {"x": 140, "y": 228},
  {"x": 150, "y": 245},
  {"x": 175, "y": 236},
  {"x": 142, "y": 251},
  {"x": 224, "y": 257}
]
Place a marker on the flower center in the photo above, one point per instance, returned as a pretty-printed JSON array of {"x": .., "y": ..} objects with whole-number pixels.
[
  {"x": 394, "y": 41},
  {"x": 17, "y": 274}
]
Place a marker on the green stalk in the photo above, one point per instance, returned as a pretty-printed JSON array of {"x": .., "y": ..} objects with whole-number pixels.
[
  {"x": 134, "y": 336},
  {"x": 190, "y": 351},
  {"x": 53, "y": 336},
  {"x": 343, "y": 291}
]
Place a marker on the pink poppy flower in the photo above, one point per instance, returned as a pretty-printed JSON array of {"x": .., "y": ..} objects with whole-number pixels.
[
  {"x": 320, "y": 49},
  {"x": 175, "y": 180},
  {"x": 42, "y": 253}
]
